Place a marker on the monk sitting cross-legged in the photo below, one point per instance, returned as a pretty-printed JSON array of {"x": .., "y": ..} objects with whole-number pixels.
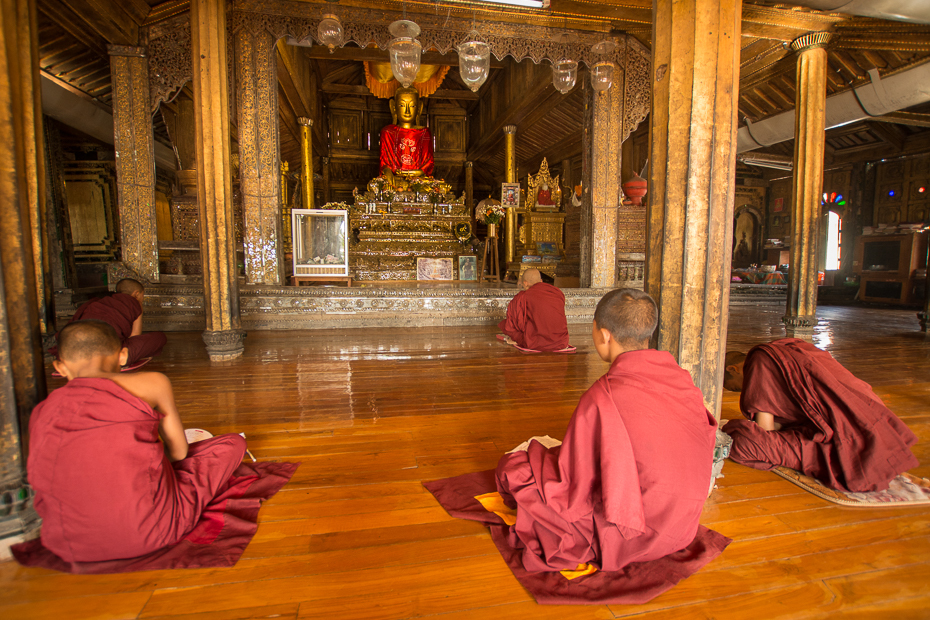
[
  {"x": 123, "y": 312},
  {"x": 806, "y": 412},
  {"x": 113, "y": 474},
  {"x": 536, "y": 315},
  {"x": 630, "y": 479}
]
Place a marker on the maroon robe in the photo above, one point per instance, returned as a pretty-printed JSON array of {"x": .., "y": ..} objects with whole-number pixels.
[
  {"x": 406, "y": 149},
  {"x": 120, "y": 311},
  {"x": 834, "y": 428},
  {"x": 104, "y": 488},
  {"x": 536, "y": 318},
  {"x": 630, "y": 479}
]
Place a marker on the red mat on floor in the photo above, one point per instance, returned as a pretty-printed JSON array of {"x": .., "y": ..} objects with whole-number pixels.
[
  {"x": 225, "y": 528},
  {"x": 508, "y": 340},
  {"x": 637, "y": 583}
]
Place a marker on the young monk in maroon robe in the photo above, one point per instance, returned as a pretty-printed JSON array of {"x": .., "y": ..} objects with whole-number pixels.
[
  {"x": 629, "y": 481},
  {"x": 806, "y": 412},
  {"x": 536, "y": 315},
  {"x": 112, "y": 471},
  {"x": 123, "y": 312}
]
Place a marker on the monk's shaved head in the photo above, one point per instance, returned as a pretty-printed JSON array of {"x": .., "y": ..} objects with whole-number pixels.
[
  {"x": 86, "y": 339},
  {"x": 531, "y": 277},
  {"x": 128, "y": 286},
  {"x": 629, "y": 314},
  {"x": 733, "y": 370},
  {"x": 733, "y": 358}
]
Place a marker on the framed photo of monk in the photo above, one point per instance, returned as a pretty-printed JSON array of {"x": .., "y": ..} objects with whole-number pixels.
[
  {"x": 510, "y": 194},
  {"x": 434, "y": 269},
  {"x": 468, "y": 268}
]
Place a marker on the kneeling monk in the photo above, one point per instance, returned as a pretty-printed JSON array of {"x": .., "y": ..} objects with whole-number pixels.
[
  {"x": 629, "y": 481},
  {"x": 805, "y": 411},
  {"x": 112, "y": 471},
  {"x": 536, "y": 315}
]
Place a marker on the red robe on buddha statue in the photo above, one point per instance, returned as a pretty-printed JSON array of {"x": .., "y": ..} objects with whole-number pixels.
[{"x": 407, "y": 149}]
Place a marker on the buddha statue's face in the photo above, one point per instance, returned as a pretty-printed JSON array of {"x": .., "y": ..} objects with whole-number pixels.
[{"x": 406, "y": 101}]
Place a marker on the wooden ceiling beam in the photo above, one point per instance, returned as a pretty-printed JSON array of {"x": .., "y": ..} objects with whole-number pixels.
[
  {"x": 374, "y": 54},
  {"x": 114, "y": 22},
  {"x": 904, "y": 118},
  {"x": 888, "y": 133},
  {"x": 66, "y": 19}
]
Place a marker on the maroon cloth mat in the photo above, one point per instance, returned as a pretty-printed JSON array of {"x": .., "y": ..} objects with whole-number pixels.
[
  {"x": 224, "y": 530},
  {"x": 637, "y": 583}
]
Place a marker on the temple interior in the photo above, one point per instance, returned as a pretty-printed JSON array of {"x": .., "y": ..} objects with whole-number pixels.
[{"x": 278, "y": 169}]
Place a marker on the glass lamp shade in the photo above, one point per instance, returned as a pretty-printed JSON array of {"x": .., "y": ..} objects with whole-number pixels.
[
  {"x": 474, "y": 63},
  {"x": 330, "y": 33},
  {"x": 405, "y": 59},
  {"x": 564, "y": 74},
  {"x": 602, "y": 75}
]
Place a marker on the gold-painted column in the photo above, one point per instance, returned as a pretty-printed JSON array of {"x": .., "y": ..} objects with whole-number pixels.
[
  {"x": 306, "y": 162},
  {"x": 510, "y": 176},
  {"x": 223, "y": 335},
  {"x": 470, "y": 191},
  {"x": 809, "y": 137},
  {"x": 259, "y": 155},
  {"x": 286, "y": 233},
  {"x": 134, "y": 142},
  {"x": 22, "y": 376},
  {"x": 692, "y": 165},
  {"x": 604, "y": 132}
]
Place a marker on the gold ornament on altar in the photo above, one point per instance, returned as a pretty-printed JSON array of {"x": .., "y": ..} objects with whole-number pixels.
[
  {"x": 462, "y": 231},
  {"x": 543, "y": 191}
]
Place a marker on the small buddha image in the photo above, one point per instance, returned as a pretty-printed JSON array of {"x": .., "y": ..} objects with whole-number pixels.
[
  {"x": 406, "y": 148},
  {"x": 544, "y": 195}
]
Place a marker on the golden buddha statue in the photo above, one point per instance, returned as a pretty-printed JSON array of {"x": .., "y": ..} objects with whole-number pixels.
[{"x": 406, "y": 147}]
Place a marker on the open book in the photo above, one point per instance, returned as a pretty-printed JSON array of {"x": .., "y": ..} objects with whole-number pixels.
[{"x": 545, "y": 440}]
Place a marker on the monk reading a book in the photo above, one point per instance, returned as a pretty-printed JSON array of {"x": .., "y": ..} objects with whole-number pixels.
[
  {"x": 629, "y": 481},
  {"x": 123, "y": 312},
  {"x": 806, "y": 412},
  {"x": 536, "y": 315},
  {"x": 113, "y": 474}
]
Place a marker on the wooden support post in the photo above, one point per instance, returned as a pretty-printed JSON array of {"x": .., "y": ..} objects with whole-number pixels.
[
  {"x": 134, "y": 141},
  {"x": 692, "y": 167},
  {"x": 259, "y": 155},
  {"x": 306, "y": 162},
  {"x": 510, "y": 176},
  {"x": 223, "y": 335},
  {"x": 470, "y": 192},
  {"x": 809, "y": 137},
  {"x": 22, "y": 373},
  {"x": 326, "y": 192}
]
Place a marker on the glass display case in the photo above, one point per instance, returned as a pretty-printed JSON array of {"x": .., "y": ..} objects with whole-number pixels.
[{"x": 321, "y": 243}]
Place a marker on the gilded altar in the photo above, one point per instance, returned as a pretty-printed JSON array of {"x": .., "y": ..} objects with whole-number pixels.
[
  {"x": 540, "y": 234},
  {"x": 392, "y": 229}
]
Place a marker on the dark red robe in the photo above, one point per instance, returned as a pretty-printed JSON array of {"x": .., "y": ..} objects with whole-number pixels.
[
  {"x": 629, "y": 481},
  {"x": 536, "y": 318},
  {"x": 104, "y": 488},
  {"x": 834, "y": 428},
  {"x": 120, "y": 311},
  {"x": 406, "y": 149}
]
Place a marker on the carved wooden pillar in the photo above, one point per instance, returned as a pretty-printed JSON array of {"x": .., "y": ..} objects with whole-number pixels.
[
  {"x": 470, "y": 191},
  {"x": 692, "y": 164},
  {"x": 22, "y": 376},
  {"x": 510, "y": 176},
  {"x": 223, "y": 335},
  {"x": 809, "y": 137},
  {"x": 306, "y": 161},
  {"x": 603, "y": 132},
  {"x": 134, "y": 141},
  {"x": 286, "y": 233},
  {"x": 326, "y": 193},
  {"x": 259, "y": 157}
]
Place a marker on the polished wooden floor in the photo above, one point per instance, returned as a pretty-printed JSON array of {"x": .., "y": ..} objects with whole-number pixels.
[{"x": 372, "y": 413}]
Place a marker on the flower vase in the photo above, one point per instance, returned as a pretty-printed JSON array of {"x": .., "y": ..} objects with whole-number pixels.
[{"x": 492, "y": 231}]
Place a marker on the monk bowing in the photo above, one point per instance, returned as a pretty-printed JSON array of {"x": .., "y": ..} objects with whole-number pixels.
[
  {"x": 113, "y": 474},
  {"x": 629, "y": 481},
  {"x": 123, "y": 312},
  {"x": 536, "y": 315},
  {"x": 806, "y": 412}
]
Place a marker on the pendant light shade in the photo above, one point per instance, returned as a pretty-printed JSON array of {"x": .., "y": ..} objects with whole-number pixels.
[
  {"x": 405, "y": 51},
  {"x": 564, "y": 74},
  {"x": 602, "y": 75},
  {"x": 330, "y": 32},
  {"x": 474, "y": 62}
]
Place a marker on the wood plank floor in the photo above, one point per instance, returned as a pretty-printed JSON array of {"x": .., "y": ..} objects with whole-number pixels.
[{"x": 372, "y": 413}]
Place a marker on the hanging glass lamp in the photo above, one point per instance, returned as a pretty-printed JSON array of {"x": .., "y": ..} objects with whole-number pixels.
[
  {"x": 564, "y": 74},
  {"x": 474, "y": 62},
  {"x": 602, "y": 72},
  {"x": 330, "y": 32},
  {"x": 405, "y": 51}
]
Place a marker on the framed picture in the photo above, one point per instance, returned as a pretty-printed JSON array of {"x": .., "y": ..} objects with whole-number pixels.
[
  {"x": 777, "y": 221},
  {"x": 786, "y": 220},
  {"x": 320, "y": 242},
  {"x": 510, "y": 194},
  {"x": 434, "y": 269},
  {"x": 468, "y": 268},
  {"x": 779, "y": 205}
]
